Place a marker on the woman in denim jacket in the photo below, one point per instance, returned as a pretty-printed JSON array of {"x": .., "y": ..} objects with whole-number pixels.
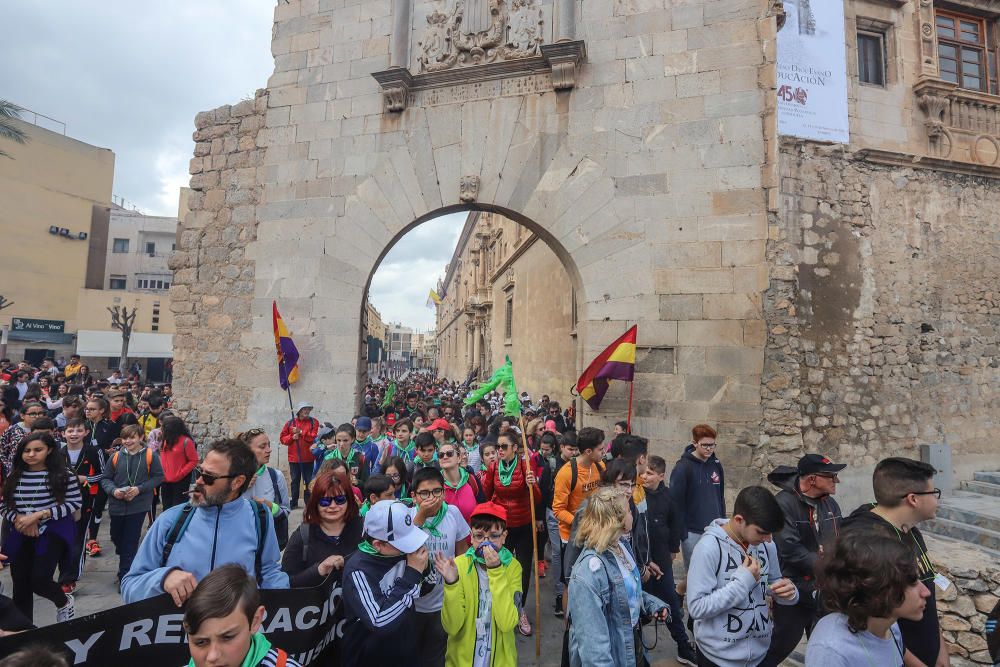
[{"x": 605, "y": 588}]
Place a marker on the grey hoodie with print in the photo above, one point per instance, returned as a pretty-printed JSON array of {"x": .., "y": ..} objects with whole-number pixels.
[{"x": 732, "y": 624}]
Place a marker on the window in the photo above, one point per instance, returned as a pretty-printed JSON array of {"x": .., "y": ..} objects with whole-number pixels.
[
  {"x": 508, "y": 318},
  {"x": 117, "y": 282},
  {"x": 963, "y": 57},
  {"x": 871, "y": 58},
  {"x": 150, "y": 248},
  {"x": 120, "y": 245}
]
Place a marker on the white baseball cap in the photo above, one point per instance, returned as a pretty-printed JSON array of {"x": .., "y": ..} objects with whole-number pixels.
[{"x": 390, "y": 521}]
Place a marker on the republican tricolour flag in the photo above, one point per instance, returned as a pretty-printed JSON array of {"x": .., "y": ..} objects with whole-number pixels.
[
  {"x": 288, "y": 354},
  {"x": 616, "y": 362}
]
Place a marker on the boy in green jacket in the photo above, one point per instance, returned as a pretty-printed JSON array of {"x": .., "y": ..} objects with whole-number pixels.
[{"x": 482, "y": 595}]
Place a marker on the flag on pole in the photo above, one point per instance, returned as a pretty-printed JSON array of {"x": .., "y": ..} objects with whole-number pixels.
[
  {"x": 616, "y": 362},
  {"x": 390, "y": 394},
  {"x": 502, "y": 378},
  {"x": 433, "y": 300},
  {"x": 288, "y": 354}
]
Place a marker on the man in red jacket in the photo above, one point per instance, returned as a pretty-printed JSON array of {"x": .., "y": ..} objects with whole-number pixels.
[{"x": 299, "y": 435}]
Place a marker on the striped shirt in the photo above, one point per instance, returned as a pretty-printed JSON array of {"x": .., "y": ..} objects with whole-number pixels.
[
  {"x": 33, "y": 495},
  {"x": 272, "y": 660}
]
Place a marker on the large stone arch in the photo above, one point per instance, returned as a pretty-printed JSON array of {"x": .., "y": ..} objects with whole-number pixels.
[{"x": 647, "y": 178}]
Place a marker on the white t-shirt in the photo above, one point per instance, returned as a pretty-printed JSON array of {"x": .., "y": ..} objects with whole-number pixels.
[
  {"x": 453, "y": 528},
  {"x": 484, "y": 621}
]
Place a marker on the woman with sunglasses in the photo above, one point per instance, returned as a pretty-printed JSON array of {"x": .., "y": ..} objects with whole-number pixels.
[
  {"x": 461, "y": 489},
  {"x": 506, "y": 482},
  {"x": 330, "y": 532}
]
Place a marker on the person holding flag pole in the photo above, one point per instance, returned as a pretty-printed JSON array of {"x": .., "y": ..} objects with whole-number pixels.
[
  {"x": 501, "y": 482},
  {"x": 301, "y": 429}
]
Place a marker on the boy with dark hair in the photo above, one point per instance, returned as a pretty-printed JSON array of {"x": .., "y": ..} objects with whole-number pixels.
[
  {"x": 426, "y": 447},
  {"x": 378, "y": 487},
  {"x": 84, "y": 461},
  {"x": 222, "y": 621},
  {"x": 447, "y": 536},
  {"x": 734, "y": 568},
  {"x": 905, "y": 496},
  {"x": 481, "y": 610}
]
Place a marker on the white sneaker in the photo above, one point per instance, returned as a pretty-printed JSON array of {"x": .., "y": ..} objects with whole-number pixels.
[{"x": 67, "y": 612}]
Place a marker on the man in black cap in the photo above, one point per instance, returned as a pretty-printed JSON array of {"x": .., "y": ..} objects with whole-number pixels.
[{"x": 812, "y": 519}]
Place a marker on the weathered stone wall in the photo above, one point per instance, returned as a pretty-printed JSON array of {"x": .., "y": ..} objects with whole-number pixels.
[
  {"x": 882, "y": 313},
  {"x": 963, "y": 606},
  {"x": 213, "y": 275}
]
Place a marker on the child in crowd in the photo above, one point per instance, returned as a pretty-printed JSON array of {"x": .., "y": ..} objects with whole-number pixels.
[
  {"x": 130, "y": 476},
  {"x": 426, "y": 452},
  {"x": 481, "y": 594},
  {"x": 84, "y": 461},
  {"x": 487, "y": 455},
  {"x": 471, "y": 448},
  {"x": 378, "y": 487}
]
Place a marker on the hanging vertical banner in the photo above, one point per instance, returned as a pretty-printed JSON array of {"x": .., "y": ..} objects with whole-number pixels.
[{"x": 812, "y": 71}]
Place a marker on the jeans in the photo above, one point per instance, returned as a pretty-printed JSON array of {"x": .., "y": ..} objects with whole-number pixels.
[
  {"x": 125, "y": 533},
  {"x": 303, "y": 472},
  {"x": 687, "y": 547},
  {"x": 433, "y": 640},
  {"x": 552, "y": 527},
  {"x": 172, "y": 493},
  {"x": 31, "y": 573},
  {"x": 665, "y": 589}
]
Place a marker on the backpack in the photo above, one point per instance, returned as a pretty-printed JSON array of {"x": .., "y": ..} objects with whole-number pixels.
[
  {"x": 177, "y": 530},
  {"x": 280, "y": 520},
  {"x": 574, "y": 472},
  {"x": 304, "y": 536},
  {"x": 149, "y": 459}
]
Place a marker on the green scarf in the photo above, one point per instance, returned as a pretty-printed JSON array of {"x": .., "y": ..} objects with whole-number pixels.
[
  {"x": 430, "y": 526},
  {"x": 259, "y": 646},
  {"x": 260, "y": 470},
  {"x": 335, "y": 454},
  {"x": 505, "y": 558},
  {"x": 363, "y": 510},
  {"x": 506, "y": 473},
  {"x": 463, "y": 477},
  {"x": 369, "y": 549}
]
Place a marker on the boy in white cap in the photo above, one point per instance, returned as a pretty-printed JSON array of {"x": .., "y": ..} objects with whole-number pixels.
[{"x": 381, "y": 580}]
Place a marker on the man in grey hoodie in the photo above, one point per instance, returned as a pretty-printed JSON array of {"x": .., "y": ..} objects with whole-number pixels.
[{"x": 734, "y": 568}]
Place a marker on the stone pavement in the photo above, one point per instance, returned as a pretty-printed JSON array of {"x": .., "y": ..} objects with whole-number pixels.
[{"x": 98, "y": 592}]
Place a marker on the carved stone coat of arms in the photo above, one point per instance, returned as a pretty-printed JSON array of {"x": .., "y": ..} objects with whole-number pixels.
[{"x": 480, "y": 31}]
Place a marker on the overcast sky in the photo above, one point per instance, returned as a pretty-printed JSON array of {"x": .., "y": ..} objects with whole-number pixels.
[{"x": 130, "y": 76}]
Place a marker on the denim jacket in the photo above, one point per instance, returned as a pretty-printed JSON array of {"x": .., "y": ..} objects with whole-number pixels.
[{"x": 601, "y": 633}]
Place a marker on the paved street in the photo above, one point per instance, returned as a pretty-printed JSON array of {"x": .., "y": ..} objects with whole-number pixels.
[{"x": 98, "y": 592}]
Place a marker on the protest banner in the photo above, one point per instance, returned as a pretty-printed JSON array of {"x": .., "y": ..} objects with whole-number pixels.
[{"x": 306, "y": 623}]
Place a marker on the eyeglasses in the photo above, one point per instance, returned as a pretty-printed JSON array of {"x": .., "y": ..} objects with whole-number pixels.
[
  {"x": 209, "y": 478},
  {"x": 254, "y": 432},
  {"x": 707, "y": 445},
  {"x": 326, "y": 501},
  {"x": 394, "y": 477},
  {"x": 424, "y": 494},
  {"x": 934, "y": 492},
  {"x": 625, "y": 486},
  {"x": 481, "y": 535},
  {"x": 506, "y": 446},
  {"x": 34, "y": 414},
  {"x": 833, "y": 477},
  {"x": 446, "y": 454}
]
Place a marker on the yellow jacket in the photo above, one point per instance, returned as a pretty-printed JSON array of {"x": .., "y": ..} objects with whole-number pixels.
[{"x": 461, "y": 604}]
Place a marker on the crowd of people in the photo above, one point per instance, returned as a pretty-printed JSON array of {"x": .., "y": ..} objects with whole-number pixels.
[{"x": 430, "y": 515}]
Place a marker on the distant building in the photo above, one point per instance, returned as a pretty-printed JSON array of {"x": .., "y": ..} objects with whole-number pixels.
[{"x": 138, "y": 248}]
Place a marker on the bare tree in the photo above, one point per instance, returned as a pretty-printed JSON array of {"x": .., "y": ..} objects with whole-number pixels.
[
  {"x": 4, "y": 303},
  {"x": 123, "y": 320}
]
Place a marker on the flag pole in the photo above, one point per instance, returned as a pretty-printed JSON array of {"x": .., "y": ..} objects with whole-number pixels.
[
  {"x": 534, "y": 545},
  {"x": 628, "y": 418}
]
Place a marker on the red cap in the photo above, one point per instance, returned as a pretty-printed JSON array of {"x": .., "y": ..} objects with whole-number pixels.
[
  {"x": 440, "y": 424},
  {"x": 390, "y": 420},
  {"x": 490, "y": 509}
]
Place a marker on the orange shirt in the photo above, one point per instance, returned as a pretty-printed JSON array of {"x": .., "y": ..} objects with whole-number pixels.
[{"x": 565, "y": 501}]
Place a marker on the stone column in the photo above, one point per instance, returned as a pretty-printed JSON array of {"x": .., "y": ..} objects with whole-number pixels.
[
  {"x": 402, "y": 25},
  {"x": 565, "y": 28},
  {"x": 475, "y": 345},
  {"x": 470, "y": 360}
]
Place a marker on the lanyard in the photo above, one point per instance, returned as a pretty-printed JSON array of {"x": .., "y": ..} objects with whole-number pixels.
[{"x": 868, "y": 655}]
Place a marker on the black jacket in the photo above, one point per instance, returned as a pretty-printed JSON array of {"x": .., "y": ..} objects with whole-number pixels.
[
  {"x": 305, "y": 573},
  {"x": 665, "y": 526},
  {"x": 809, "y": 523},
  {"x": 698, "y": 489}
]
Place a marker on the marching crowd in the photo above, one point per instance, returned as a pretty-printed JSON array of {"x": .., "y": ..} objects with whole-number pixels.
[{"x": 430, "y": 514}]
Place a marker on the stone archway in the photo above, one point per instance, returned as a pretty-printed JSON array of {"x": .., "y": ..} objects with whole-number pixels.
[{"x": 643, "y": 167}]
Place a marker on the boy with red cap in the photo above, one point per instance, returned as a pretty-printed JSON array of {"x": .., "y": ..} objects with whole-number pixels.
[{"x": 482, "y": 595}]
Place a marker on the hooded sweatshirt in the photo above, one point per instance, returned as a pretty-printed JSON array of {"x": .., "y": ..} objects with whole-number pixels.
[
  {"x": 214, "y": 536},
  {"x": 698, "y": 490},
  {"x": 732, "y": 624}
]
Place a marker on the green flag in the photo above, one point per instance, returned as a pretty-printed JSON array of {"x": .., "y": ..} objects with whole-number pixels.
[
  {"x": 389, "y": 395},
  {"x": 502, "y": 378}
]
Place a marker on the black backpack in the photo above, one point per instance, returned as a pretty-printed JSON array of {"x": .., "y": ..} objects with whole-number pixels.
[
  {"x": 574, "y": 472},
  {"x": 280, "y": 520},
  {"x": 177, "y": 531}
]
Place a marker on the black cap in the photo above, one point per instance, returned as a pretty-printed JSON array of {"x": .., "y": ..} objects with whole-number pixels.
[{"x": 811, "y": 464}]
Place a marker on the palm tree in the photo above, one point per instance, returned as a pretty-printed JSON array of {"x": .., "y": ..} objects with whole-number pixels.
[{"x": 8, "y": 111}]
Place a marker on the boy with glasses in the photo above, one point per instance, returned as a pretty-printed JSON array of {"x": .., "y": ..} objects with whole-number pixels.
[
  {"x": 482, "y": 591},
  {"x": 698, "y": 487},
  {"x": 905, "y": 496},
  {"x": 447, "y": 536},
  {"x": 812, "y": 521}
]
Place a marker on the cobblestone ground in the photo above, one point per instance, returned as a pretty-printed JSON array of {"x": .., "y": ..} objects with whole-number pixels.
[{"x": 98, "y": 591}]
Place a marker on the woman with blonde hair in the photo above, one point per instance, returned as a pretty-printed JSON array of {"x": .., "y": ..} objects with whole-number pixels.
[{"x": 606, "y": 598}]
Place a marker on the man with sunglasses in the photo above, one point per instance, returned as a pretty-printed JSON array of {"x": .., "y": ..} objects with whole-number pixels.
[
  {"x": 812, "y": 521},
  {"x": 216, "y": 526},
  {"x": 904, "y": 497}
]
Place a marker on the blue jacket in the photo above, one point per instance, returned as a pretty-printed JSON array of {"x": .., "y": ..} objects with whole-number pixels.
[
  {"x": 698, "y": 489},
  {"x": 215, "y": 536},
  {"x": 370, "y": 450},
  {"x": 601, "y": 625}
]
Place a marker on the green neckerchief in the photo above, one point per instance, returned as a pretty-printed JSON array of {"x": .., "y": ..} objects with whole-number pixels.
[
  {"x": 505, "y": 558},
  {"x": 430, "y": 526},
  {"x": 259, "y": 646},
  {"x": 471, "y": 448},
  {"x": 337, "y": 455},
  {"x": 363, "y": 510},
  {"x": 463, "y": 477},
  {"x": 367, "y": 547},
  {"x": 260, "y": 470},
  {"x": 506, "y": 473}
]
